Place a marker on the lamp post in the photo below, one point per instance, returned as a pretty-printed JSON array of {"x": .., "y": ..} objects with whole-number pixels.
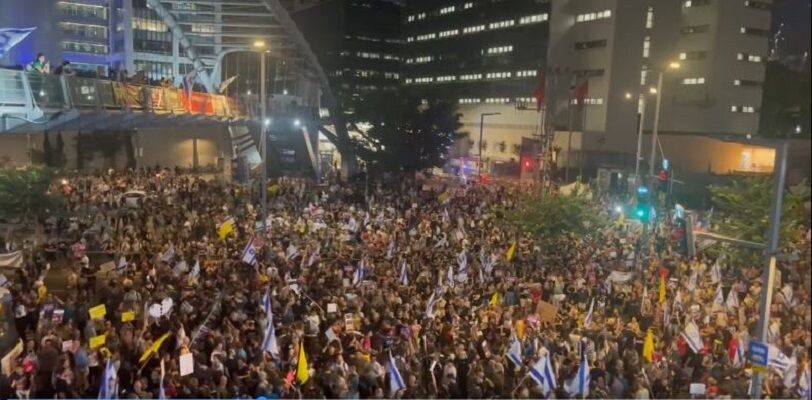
[
  {"x": 655, "y": 131},
  {"x": 641, "y": 119},
  {"x": 263, "y": 145},
  {"x": 481, "y": 126}
]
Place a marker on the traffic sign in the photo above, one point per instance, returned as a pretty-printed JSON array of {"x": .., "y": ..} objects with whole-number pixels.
[{"x": 759, "y": 354}]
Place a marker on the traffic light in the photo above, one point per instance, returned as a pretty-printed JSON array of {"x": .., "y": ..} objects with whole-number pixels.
[
  {"x": 527, "y": 165},
  {"x": 643, "y": 210}
]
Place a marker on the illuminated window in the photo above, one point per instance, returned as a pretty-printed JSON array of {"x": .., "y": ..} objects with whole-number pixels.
[
  {"x": 501, "y": 24},
  {"x": 693, "y": 81},
  {"x": 426, "y": 79},
  {"x": 695, "y": 3},
  {"x": 646, "y": 46},
  {"x": 468, "y": 5},
  {"x": 743, "y": 109},
  {"x": 473, "y": 29},
  {"x": 410, "y": 18},
  {"x": 759, "y": 5},
  {"x": 469, "y": 101},
  {"x": 754, "y": 31},
  {"x": 693, "y": 55},
  {"x": 424, "y": 59},
  {"x": 526, "y": 73},
  {"x": 470, "y": 77},
  {"x": 749, "y": 57},
  {"x": 650, "y": 18},
  {"x": 427, "y": 36},
  {"x": 497, "y": 100},
  {"x": 590, "y": 101},
  {"x": 533, "y": 19},
  {"x": 746, "y": 82},
  {"x": 593, "y": 16},
  {"x": 498, "y": 75},
  {"x": 448, "y": 78},
  {"x": 499, "y": 50},
  {"x": 643, "y": 76},
  {"x": 446, "y": 10},
  {"x": 452, "y": 32}
]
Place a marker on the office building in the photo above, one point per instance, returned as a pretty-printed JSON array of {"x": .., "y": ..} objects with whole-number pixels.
[
  {"x": 485, "y": 56},
  {"x": 711, "y": 54},
  {"x": 357, "y": 43}
]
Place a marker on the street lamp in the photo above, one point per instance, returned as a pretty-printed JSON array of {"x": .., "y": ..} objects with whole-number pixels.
[
  {"x": 655, "y": 131},
  {"x": 263, "y": 145},
  {"x": 481, "y": 125}
]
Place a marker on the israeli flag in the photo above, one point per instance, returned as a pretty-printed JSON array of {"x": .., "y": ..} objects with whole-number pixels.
[
  {"x": 9, "y": 37},
  {"x": 390, "y": 251},
  {"x": 122, "y": 263},
  {"x": 430, "y": 305},
  {"x": 266, "y": 302},
  {"x": 449, "y": 276},
  {"x": 805, "y": 385},
  {"x": 249, "y": 254},
  {"x": 404, "y": 277},
  {"x": 169, "y": 254},
  {"x": 732, "y": 301},
  {"x": 720, "y": 297},
  {"x": 693, "y": 338},
  {"x": 196, "y": 269},
  {"x": 588, "y": 319},
  {"x": 777, "y": 360},
  {"x": 716, "y": 272},
  {"x": 515, "y": 351},
  {"x": 269, "y": 344},
  {"x": 543, "y": 373},
  {"x": 462, "y": 261},
  {"x": 314, "y": 256},
  {"x": 579, "y": 385},
  {"x": 359, "y": 274},
  {"x": 109, "y": 384},
  {"x": 396, "y": 382}
]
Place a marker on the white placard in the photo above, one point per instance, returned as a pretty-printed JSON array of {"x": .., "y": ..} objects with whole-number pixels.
[
  {"x": 332, "y": 308},
  {"x": 187, "y": 364},
  {"x": 697, "y": 388}
]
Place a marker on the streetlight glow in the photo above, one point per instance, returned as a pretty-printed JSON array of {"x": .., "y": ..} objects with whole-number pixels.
[
  {"x": 628, "y": 95},
  {"x": 267, "y": 121},
  {"x": 297, "y": 122},
  {"x": 259, "y": 44},
  {"x": 652, "y": 90},
  {"x": 674, "y": 65}
]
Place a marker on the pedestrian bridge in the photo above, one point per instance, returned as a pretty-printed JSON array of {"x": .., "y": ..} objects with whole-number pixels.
[{"x": 34, "y": 102}]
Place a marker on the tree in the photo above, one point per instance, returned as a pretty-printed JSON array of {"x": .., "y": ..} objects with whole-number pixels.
[
  {"x": 741, "y": 210},
  {"x": 25, "y": 194},
  {"x": 399, "y": 134},
  {"x": 554, "y": 217},
  {"x": 47, "y": 151}
]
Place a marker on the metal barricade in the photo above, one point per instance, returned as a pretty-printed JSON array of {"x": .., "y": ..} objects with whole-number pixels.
[
  {"x": 12, "y": 89},
  {"x": 47, "y": 90}
]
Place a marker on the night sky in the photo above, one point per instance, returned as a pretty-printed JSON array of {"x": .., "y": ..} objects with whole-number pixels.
[{"x": 795, "y": 14}]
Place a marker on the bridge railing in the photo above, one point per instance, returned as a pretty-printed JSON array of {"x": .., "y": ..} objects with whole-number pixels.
[{"x": 24, "y": 91}]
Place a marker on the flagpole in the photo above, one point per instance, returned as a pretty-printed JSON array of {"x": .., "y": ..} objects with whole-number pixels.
[
  {"x": 518, "y": 385},
  {"x": 569, "y": 130},
  {"x": 581, "y": 145}
]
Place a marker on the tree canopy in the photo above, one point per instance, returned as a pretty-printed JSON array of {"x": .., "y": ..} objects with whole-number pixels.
[
  {"x": 25, "y": 194},
  {"x": 399, "y": 134}
]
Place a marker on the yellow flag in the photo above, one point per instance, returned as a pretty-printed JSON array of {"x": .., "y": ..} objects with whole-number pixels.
[
  {"x": 511, "y": 252},
  {"x": 444, "y": 197},
  {"x": 496, "y": 299},
  {"x": 302, "y": 370},
  {"x": 226, "y": 228},
  {"x": 153, "y": 349},
  {"x": 662, "y": 290},
  {"x": 648, "y": 347}
]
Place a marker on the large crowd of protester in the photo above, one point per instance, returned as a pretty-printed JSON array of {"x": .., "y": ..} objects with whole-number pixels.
[{"x": 172, "y": 286}]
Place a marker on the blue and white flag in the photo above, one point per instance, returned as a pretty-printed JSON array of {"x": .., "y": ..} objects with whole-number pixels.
[
  {"x": 404, "y": 275},
  {"x": 359, "y": 274},
  {"x": 777, "y": 360},
  {"x": 122, "y": 264},
  {"x": 390, "y": 251},
  {"x": 716, "y": 272},
  {"x": 579, "y": 385},
  {"x": 109, "y": 384},
  {"x": 544, "y": 374},
  {"x": 588, "y": 319},
  {"x": 266, "y": 302},
  {"x": 269, "y": 344},
  {"x": 9, "y": 37},
  {"x": 435, "y": 297},
  {"x": 291, "y": 252},
  {"x": 169, "y": 254},
  {"x": 514, "y": 353},
  {"x": 249, "y": 254},
  {"x": 719, "y": 298},
  {"x": 693, "y": 338},
  {"x": 732, "y": 301},
  {"x": 805, "y": 385},
  {"x": 314, "y": 256},
  {"x": 462, "y": 261},
  {"x": 196, "y": 269},
  {"x": 449, "y": 276},
  {"x": 396, "y": 382}
]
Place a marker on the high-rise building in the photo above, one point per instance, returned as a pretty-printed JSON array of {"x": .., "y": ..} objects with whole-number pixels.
[
  {"x": 357, "y": 43},
  {"x": 710, "y": 53},
  {"x": 484, "y": 55}
]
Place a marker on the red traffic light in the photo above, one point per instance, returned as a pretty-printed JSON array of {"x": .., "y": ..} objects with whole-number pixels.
[
  {"x": 663, "y": 177},
  {"x": 528, "y": 165}
]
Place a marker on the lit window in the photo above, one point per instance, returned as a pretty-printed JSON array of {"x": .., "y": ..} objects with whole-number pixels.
[
  {"x": 590, "y": 101},
  {"x": 470, "y": 77},
  {"x": 409, "y": 39},
  {"x": 473, "y": 29},
  {"x": 468, "y": 5},
  {"x": 421, "y": 16},
  {"x": 497, "y": 100},
  {"x": 424, "y": 59},
  {"x": 446, "y": 10},
  {"x": 499, "y": 50},
  {"x": 410, "y": 18},
  {"x": 533, "y": 19},
  {"x": 448, "y": 78},
  {"x": 754, "y": 31},
  {"x": 526, "y": 73},
  {"x": 498, "y": 75},
  {"x": 646, "y": 46},
  {"x": 693, "y": 55},
  {"x": 427, "y": 79},
  {"x": 407, "y": 80},
  {"x": 693, "y": 81},
  {"x": 427, "y": 36},
  {"x": 743, "y": 109},
  {"x": 759, "y": 5},
  {"x": 452, "y": 32},
  {"x": 696, "y": 3},
  {"x": 643, "y": 76},
  {"x": 745, "y": 82},
  {"x": 748, "y": 57},
  {"x": 650, "y": 18},
  {"x": 470, "y": 101},
  {"x": 593, "y": 16},
  {"x": 501, "y": 24}
]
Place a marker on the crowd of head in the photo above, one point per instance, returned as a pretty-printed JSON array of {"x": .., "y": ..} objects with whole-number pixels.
[{"x": 420, "y": 277}]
